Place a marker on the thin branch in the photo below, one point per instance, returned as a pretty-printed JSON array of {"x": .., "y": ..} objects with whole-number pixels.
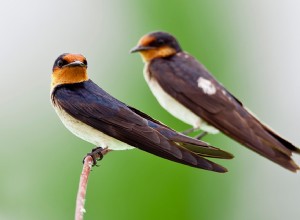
[{"x": 87, "y": 166}]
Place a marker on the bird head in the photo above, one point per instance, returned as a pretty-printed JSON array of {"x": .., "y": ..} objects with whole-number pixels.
[
  {"x": 157, "y": 45},
  {"x": 69, "y": 68}
]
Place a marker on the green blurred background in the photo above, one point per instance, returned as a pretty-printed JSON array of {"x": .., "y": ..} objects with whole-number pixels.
[{"x": 251, "y": 47}]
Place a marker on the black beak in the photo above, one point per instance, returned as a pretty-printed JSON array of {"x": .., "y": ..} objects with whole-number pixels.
[
  {"x": 141, "y": 48},
  {"x": 76, "y": 63}
]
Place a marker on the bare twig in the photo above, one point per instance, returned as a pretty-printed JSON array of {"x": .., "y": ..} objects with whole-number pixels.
[{"x": 87, "y": 165}]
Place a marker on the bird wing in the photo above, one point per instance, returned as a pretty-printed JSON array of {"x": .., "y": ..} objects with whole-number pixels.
[
  {"x": 179, "y": 76},
  {"x": 93, "y": 106}
]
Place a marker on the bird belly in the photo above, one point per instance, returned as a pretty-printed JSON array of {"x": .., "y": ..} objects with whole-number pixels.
[
  {"x": 89, "y": 133},
  {"x": 175, "y": 108}
]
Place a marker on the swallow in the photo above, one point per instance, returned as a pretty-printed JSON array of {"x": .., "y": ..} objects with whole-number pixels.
[
  {"x": 96, "y": 117},
  {"x": 187, "y": 90}
]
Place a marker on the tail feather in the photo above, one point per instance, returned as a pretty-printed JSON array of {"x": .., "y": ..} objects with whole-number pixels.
[
  {"x": 197, "y": 149},
  {"x": 269, "y": 148},
  {"x": 201, "y": 148},
  {"x": 207, "y": 151},
  {"x": 250, "y": 132},
  {"x": 284, "y": 142},
  {"x": 282, "y": 149},
  {"x": 189, "y": 158}
]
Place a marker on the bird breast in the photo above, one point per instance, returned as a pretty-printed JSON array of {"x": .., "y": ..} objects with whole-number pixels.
[{"x": 89, "y": 133}]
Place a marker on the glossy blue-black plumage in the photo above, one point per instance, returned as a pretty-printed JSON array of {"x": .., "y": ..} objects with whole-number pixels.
[{"x": 93, "y": 106}]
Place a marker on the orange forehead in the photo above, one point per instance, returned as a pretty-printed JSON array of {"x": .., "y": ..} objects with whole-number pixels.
[
  {"x": 146, "y": 40},
  {"x": 74, "y": 57}
]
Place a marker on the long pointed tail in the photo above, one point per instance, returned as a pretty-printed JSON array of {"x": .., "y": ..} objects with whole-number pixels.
[{"x": 267, "y": 143}]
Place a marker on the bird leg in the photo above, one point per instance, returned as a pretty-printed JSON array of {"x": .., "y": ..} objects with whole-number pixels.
[
  {"x": 201, "y": 135},
  {"x": 188, "y": 131}
]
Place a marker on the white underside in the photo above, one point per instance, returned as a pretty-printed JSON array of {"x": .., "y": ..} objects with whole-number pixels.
[
  {"x": 174, "y": 107},
  {"x": 90, "y": 134}
]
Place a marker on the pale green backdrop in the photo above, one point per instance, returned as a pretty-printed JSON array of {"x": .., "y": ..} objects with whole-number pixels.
[{"x": 252, "y": 48}]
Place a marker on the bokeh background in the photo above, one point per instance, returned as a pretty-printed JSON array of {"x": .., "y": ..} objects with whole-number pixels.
[{"x": 252, "y": 47}]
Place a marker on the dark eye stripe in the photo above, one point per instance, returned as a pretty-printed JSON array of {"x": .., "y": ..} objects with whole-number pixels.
[{"x": 157, "y": 43}]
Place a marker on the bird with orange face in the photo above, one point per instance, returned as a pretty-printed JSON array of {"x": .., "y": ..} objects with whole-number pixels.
[
  {"x": 185, "y": 88},
  {"x": 95, "y": 116}
]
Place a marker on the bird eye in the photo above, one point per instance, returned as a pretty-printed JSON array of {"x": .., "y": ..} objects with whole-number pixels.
[
  {"x": 157, "y": 43},
  {"x": 85, "y": 62},
  {"x": 160, "y": 42},
  {"x": 60, "y": 63}
]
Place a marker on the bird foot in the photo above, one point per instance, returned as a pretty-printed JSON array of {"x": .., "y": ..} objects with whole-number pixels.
[{"x": 96, "y": 154}]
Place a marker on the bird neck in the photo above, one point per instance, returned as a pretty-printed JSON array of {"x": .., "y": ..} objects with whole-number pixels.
[{"x": 68, "y": 75}]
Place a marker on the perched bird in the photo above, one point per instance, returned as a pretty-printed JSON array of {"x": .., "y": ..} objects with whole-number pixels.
[
  {"x": 185, "y": 88},
  {"x": 95, "y": 116}
]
